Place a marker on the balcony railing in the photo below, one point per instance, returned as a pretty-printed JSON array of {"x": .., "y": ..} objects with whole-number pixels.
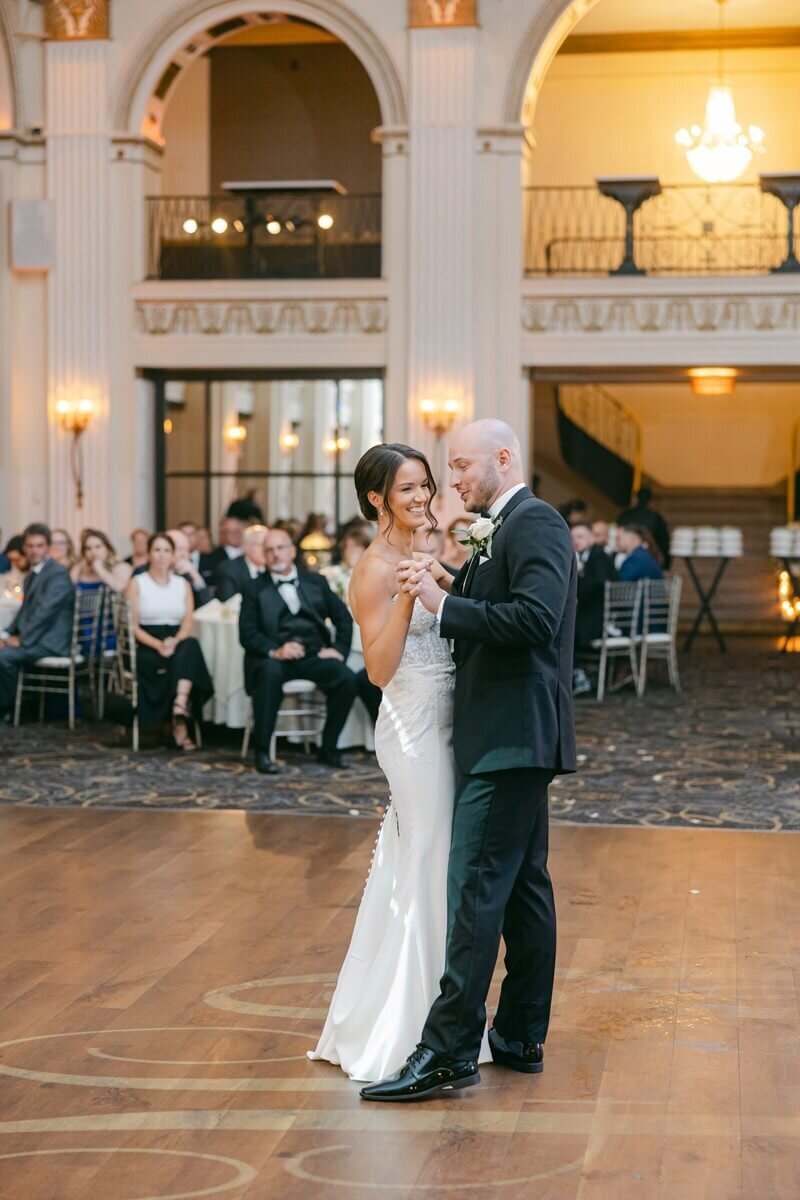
[
  {"x": 282, "y": 236},
  {"x": 730, "y": 229}
]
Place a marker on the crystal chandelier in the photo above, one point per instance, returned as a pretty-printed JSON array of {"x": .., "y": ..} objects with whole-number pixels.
[{"x": 721, "y": 151}]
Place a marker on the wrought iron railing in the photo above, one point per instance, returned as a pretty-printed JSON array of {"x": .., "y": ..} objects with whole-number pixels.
[
  {"x": 280, "y": 235},
  {"x": 607, "y": 421},
  {"x": 727, "y": 229}
]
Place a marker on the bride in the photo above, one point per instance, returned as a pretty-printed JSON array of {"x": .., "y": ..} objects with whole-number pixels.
[{"x": 390, "y": 976}]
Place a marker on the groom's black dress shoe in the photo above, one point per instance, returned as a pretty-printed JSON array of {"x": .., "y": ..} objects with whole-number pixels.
[
  {"x": 520, "y": 1056},
  {"x": 331, "y": 758},
  {"x": 424, "y": 1074},
  {"x": 265, "y": 765}
]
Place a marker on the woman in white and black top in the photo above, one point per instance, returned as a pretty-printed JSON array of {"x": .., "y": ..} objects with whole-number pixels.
[{"x": 170, "y": 667}]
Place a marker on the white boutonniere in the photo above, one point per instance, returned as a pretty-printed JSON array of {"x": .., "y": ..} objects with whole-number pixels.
[{"x": 480, "y": 534}]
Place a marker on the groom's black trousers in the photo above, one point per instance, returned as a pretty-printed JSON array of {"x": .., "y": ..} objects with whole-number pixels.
[{"x": 497, "y": 884}]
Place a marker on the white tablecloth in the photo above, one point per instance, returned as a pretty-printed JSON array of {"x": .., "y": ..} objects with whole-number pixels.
[
  {"x": 8, "y": 611},
  {"x": 217, "y": 630}
]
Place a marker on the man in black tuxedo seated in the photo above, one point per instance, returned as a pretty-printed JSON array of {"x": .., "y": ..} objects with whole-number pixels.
[
  {"x": 282, "y": 626},
  {"x": 595, "y": 569},
  {"x": 233, "y": 576},
  {"x": 43, "y": 626}
]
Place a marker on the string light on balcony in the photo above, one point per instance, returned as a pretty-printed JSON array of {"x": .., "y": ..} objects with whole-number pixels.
[
  {"x": 273, "y": 226},
  {"x": 721, "y": 151},
  {"x": 219, "y": 225},
  {"x": 325, "y": 221},
  {"x": 190, "y": 226}
]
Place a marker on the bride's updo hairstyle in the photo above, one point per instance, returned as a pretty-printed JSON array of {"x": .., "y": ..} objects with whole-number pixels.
[{"x": 376, "y": 471}]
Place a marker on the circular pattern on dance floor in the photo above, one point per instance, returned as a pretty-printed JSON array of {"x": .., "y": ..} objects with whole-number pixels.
[
  {"x": 296, "y": 1165},
  {"x": 722, "y": 754},
  {"x": 226, "y": 997},
  {"x": 153, "y": 1082},
  {"x": 244, "y": 1173}
]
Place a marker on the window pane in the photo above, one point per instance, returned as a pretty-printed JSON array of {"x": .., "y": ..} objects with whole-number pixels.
[
  {"x": 186, "y": 501},
  {"x": 185, "y": 426}
]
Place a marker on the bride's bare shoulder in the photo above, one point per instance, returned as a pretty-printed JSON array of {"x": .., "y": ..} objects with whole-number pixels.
[{"x": 373, "y": 581}]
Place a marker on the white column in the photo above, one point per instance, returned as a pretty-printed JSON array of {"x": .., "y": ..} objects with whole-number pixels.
[
  {"x": 442, "y": 221},
  {"x": 78, "y": 183},
  {"x": 394, "y": 269},
  {"x": 501, "y": 388}
]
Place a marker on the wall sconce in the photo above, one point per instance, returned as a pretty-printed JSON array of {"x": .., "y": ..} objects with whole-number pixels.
[
  {"x": 290, "y": 438},
  {"x": 74, "y": 416},
  {"x": 337, "y": 443},
  {"x": 713, "y": 381},
  {"x": 235, "y": 437},
  {"x": 439, "y": 415}
]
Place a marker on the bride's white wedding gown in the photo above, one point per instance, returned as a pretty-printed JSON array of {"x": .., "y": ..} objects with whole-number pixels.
[{"x": 390, "y": 976}]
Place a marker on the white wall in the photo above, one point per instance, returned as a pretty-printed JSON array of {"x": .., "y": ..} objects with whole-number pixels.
[
  {"x": 186, "y": 170},
  {"x": 617, "y": 114}
]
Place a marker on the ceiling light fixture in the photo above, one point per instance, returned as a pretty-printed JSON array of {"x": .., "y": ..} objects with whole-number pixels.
[{"x": 721, "y": 151}]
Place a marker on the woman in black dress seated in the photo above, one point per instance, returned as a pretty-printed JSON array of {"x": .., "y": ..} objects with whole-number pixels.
[{"x": 170, "y": 668}]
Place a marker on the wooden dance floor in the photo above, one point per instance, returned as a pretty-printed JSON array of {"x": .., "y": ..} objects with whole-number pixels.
[{"x": 164, "y": 974}]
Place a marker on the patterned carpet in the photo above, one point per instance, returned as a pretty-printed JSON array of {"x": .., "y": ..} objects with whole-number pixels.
[{"x": 724, "y": 753}]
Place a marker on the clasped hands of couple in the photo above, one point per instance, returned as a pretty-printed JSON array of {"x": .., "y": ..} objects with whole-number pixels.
[{"x": 416, "y": 579}]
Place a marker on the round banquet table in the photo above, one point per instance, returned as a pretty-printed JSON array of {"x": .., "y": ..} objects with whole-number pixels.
[{"x": 217, "y": 630}]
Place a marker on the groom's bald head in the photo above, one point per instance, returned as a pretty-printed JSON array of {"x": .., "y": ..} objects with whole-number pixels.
[{"x": 485, "y": 460}]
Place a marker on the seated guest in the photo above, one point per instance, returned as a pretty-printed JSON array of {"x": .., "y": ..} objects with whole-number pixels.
[
  {"x": 352, "y": 544},
  {"x": 639, "y": 555},
  {"x": 429, "y": 541},
  {"x": 62, "y": 549},
  {"x": 43, "y": 626},
  {"x": 203, "y": 542},
  {"x": 98, "y": 564},
  {"x": 283, "y": 629},
  {"x": 183, "y": 567},
  {"x": 14, "y": 555},
  {"x": 642, "y": 516},
  {"x": 190, "y": 530},
  {"x": 595, "y": 569},
  {"x": 170, "y": 668},
  {"x": 98, "y": 567},
  {"x": 233, "y": 575},
  {"x": 573, "y": 511},
  {"x": 230, "y": 546},
  {"x": 138, "y": 558}
]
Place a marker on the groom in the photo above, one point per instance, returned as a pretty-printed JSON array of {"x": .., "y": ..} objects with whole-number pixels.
[{"x": 511, "y": 616}]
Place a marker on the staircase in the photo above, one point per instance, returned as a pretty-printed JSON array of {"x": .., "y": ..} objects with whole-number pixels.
[{"x": 746, "y": 600}]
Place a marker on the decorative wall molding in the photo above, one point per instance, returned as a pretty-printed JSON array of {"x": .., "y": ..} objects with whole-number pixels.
[
  {"x": 76, "y": 20},
  {"x": 438, "y": 14},
  {"x": 160, "y": 42},
  {"x": 600, "y": 322},
  {"x": 253, "y": 318},
  {"x": 722, "y": 313}
]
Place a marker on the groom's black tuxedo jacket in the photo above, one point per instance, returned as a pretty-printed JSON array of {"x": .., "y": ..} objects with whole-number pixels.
[{"x": 512, "y": 620}]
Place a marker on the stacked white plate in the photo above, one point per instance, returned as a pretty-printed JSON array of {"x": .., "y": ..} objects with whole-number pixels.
[
  {"x": 784, "y": 541},
  {"x": 707, "y": 541},
  {"x": 682, "y": 543},
  {"x": 731, "y": 542}
]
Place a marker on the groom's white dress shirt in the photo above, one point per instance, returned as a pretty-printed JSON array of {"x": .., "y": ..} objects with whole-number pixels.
[{"x": 494, "y": 512}]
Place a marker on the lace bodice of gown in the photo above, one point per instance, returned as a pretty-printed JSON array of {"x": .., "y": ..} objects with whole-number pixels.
[{"x": 425, "y": 648}]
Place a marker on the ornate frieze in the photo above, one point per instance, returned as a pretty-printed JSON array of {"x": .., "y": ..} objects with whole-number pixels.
[
  {"x": 434, "y": 14},
  {"x": 667, "y": 314},
  {"x": 77, "y": 20},
  {"x": 251, "y": 318}
]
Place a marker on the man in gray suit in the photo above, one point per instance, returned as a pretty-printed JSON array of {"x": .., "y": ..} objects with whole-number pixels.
[{"x": 43, "y": 625}]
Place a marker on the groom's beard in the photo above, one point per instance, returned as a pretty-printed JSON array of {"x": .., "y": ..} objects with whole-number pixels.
[{"x": 482, "y": 496}]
